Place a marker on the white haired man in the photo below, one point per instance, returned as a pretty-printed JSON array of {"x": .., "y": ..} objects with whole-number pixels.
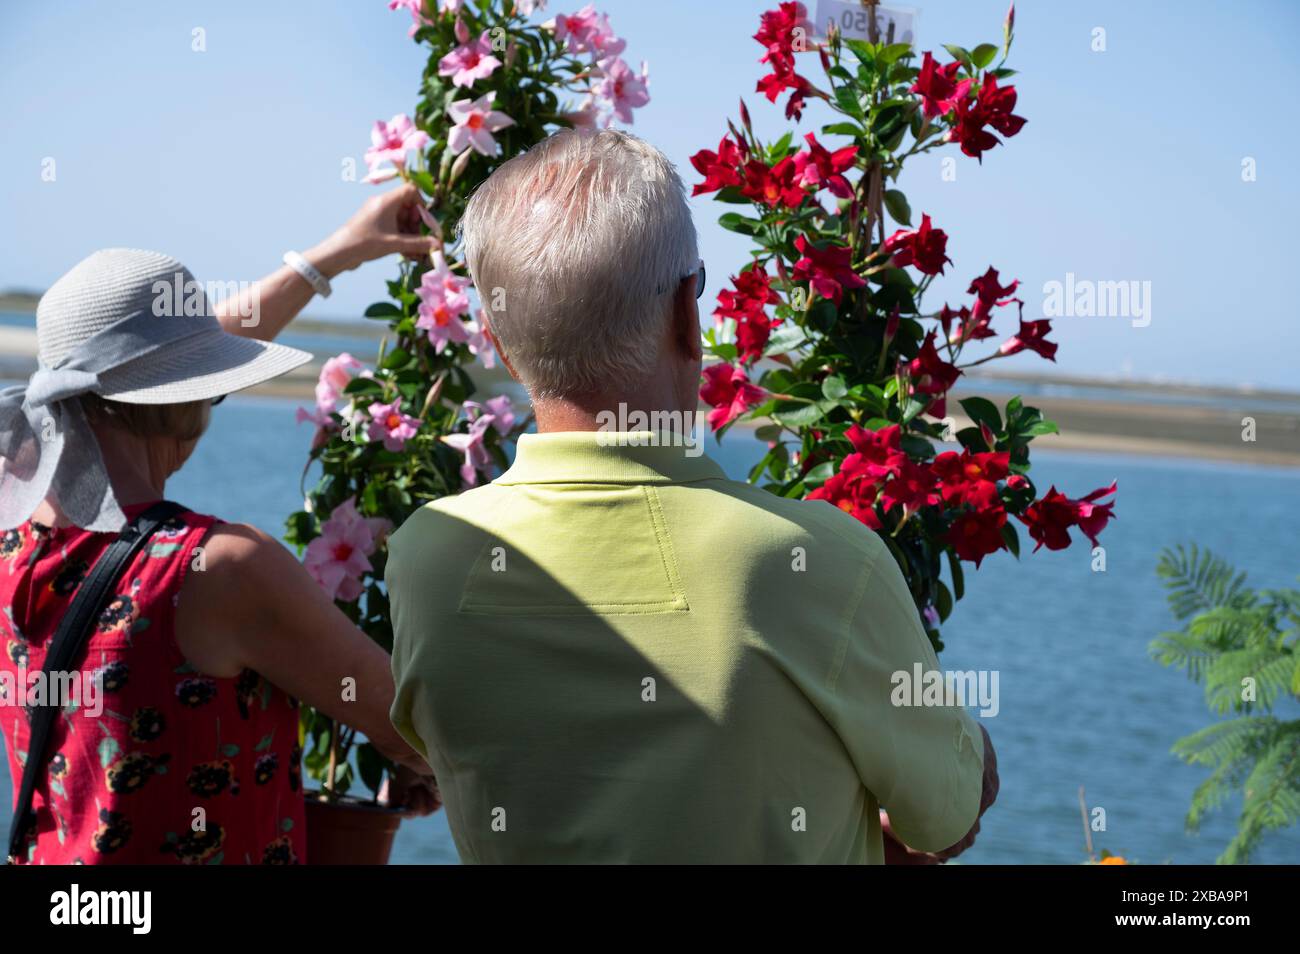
[{"x": 612, "y": 653}]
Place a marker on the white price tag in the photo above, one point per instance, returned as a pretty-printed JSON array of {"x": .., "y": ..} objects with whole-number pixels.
[{"x": 853, "y": 21}]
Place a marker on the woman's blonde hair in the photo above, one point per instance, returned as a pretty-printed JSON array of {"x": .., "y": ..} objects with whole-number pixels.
[{"x": 185, "y": 422}]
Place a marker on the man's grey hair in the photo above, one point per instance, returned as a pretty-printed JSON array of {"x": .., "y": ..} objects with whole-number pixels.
[{"x": 576, "y": 247}]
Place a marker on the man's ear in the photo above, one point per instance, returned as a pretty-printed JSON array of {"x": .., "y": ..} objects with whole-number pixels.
[
  {"x": 686, "y": 321},
  {"x": 496, "y": 345}
]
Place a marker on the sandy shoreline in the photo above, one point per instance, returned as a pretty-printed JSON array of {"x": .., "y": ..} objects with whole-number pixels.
[{"x": 1115, "y": 417}]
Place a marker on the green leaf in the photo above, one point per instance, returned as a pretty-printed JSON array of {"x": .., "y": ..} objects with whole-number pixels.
[
  {"x": 982, "y": 411},
  {"x": 383, "y": 309},
  {"x": 834, "y": 388},
  {"x": 842, "y": 129},
  {"x": 799, "y": 415},
  {"x": 395, "y": 359},
  {"x": 962, "y": 54},
  {"x": 735, "y": 222},
  {"x": 1012, "y": 538},
  {"x": 983, "y": 55},
  {"x": 896, "y": 205}
]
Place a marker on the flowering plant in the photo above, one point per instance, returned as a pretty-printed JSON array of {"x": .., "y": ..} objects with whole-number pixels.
[
  {"x": 823, "y": 339},
  {"x": 408, "y": 430}
]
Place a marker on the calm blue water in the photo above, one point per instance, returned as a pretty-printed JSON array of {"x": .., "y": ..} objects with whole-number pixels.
[{"x": 1081, "y": 702}]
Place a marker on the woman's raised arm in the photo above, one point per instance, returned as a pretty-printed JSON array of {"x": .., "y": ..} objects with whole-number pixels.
[{"x": 385, "y": 224}]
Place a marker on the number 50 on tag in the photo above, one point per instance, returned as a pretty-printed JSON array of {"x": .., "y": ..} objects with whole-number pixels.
[{"x": 853, "y": 21}]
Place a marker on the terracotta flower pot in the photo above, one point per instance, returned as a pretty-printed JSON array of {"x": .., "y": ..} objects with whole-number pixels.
[{"x": 349, "y": 831}]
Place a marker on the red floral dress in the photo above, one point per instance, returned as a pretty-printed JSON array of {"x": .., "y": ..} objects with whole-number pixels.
[{"x": 179, "y": 767}]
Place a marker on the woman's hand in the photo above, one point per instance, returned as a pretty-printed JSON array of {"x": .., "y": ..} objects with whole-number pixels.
[
  {"x": 416, "y": 794},
  {"x": 385, "y": 224}
]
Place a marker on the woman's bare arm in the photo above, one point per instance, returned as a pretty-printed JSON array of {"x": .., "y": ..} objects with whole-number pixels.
[
  {"x": 387, "y": 223},
  {"x": 254, "y": 606}
]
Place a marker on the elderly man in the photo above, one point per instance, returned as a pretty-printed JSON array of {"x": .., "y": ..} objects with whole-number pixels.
[{"x": 612, "y": 653}]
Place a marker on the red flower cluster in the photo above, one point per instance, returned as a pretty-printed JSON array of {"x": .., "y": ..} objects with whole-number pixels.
[
  {"x": 856, "y": 487},
  {"x": 925, "y": 248},
  {"x": 747, "y": 306},
  {"x": 828, "y": 270},
  {"x": 1050, "y": 519},
  {"x": 778, "y": 31},
  {"x": 784, "y": 184},
  {"x": 991, "y": 107},
  {"x": 728, "y": 390}
]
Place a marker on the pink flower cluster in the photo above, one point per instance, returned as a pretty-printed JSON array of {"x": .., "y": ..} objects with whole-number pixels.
[
  {"x": 620, "y": 89},
  {"x": 444, "y": 301}
]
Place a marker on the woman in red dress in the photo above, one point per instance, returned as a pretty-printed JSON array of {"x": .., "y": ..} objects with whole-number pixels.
[{"x": 181, "y": 745}]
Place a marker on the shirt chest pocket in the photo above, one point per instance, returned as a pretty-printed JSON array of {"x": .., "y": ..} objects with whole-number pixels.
[{"x": 606, "y": 550}]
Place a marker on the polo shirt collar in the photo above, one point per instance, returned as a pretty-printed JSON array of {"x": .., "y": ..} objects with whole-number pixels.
[{"x": 607, "y": 457}]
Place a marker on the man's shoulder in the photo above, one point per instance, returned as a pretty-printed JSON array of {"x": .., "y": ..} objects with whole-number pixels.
[{"x": 463, "y": 514}]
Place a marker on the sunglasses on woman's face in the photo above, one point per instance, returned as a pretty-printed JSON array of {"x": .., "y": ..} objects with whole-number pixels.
[{"x": 218, "y": 400}]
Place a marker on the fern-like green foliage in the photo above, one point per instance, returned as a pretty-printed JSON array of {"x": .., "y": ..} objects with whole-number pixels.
[{"x": 1241, "y": 644}]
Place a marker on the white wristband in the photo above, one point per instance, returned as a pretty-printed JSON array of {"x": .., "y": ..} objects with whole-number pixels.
[{"x": 309, "y": 273}]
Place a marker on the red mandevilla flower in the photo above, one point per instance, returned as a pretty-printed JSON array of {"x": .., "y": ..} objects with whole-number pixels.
[
  {"x": 746, "y": 305},
  {"x": 924, "y": 247},
  {"x": 991, "y": 107},
  {"x": 775, "y": 185},
  {"x": 971, "y": 479},
  {"x": 1033, "y": 337},
  {"x": 938, "y": 86},
  {"x": 879, "y": 452},
  {"x": 977, "y": 533},
  {"x": 1050, "y": 519},
  {"x": 988, "y": 291},
  {"x": 720, "y": 169},
  {"x": 820, "y": 168},
  {"x": 828, "y": 270},
  {"x": 912, "y": 488},
  {"x": 778, "y": 32},
  {"x": 930, "y": 374},
  {"x": 728, "y": 390},
  {"x": 853, "y": 494}
]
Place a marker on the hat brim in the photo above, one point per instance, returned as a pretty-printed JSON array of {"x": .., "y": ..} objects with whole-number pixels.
[{"x": 203, "y": 367}]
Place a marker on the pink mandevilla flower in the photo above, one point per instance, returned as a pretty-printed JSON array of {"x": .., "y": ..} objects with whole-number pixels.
[
  {"x": 390, "y": 142},
  {"x": 476, "y": 121},
  {"x": 390, "y": 425},
  {"x": 471, "y": 445},
  {"x": 622, "y": 89},
  {"x": 469, "y": 62},
  {"x": 334, "y": 377},
  {"x": 340, "y": 556}
]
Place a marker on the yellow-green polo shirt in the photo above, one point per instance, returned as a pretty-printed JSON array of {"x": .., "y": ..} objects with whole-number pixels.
[{"x": 613, "y": 653}]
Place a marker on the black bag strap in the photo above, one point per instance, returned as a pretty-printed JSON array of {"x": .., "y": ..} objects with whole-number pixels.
[{"x": 74, "y": 629}]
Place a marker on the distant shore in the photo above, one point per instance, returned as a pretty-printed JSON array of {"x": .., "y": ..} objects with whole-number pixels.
[{"x": 1155, "y": 419}]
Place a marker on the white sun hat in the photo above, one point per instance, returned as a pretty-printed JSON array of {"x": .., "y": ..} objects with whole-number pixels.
[{"x": 130, "y": 326}]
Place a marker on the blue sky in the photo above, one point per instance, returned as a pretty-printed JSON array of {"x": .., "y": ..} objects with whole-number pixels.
[{"x": 1130, "y": 168}]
